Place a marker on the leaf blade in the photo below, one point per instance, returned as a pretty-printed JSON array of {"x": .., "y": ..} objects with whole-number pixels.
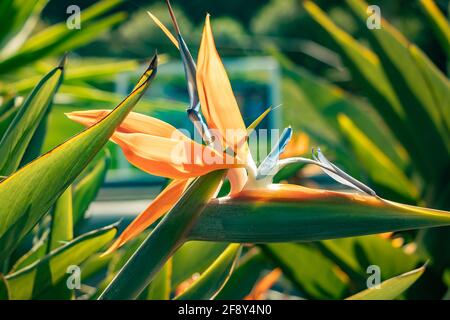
[
  {"x": 21, "y": 283},
  {"x": 209, "y": 284},
  {"x": 390, "y": 288},
  {"x": 41, "y": 182}
]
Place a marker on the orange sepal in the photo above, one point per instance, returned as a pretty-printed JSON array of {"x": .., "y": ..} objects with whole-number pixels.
[
  {"x": 158, "y": 148},
  {"x": 133, "y": 123},
  {"x": 218, "y": 103},
  {"x": 158, "y": 207}
]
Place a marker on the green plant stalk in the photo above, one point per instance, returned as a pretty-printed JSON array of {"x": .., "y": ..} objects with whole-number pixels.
[
  {"x": 253, "y": 221},
  {"x": 165, "y": 239}
]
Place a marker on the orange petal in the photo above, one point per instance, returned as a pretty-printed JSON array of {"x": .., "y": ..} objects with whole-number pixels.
[
  {"x": 264, "y": 285},
  {"x": 217, "y": 100},
  {"x": 238, "y": 179},
  {"x": 172, "y": 158},
  {"x": 134, "y": 122},
  {"x": 159, "y": 206},
  {"x": 158, "y": 148}
]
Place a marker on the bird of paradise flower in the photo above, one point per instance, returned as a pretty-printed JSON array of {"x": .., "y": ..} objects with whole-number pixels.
[{"x": 154, "y": 146}]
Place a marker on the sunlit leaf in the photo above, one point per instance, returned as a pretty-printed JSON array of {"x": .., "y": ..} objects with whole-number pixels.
[
  {"x": 354, "y": 255},
  {"x": 245, "y": 275},
  {"x": 367, "y": 70},
  {"x": 391, "y": 288},
  {"x": 20, "y": 132},
  {"x": 422, "y": 111},
  {"x": 439, "y": 23},
  {"x": 184, "y": 267},
  {"x": 42, "y": 181},
  {"x": 160, "y": 287},
  {"x": 380, "y": 167},
  {"x": 86, "y": 190},
  {"x": 32, "y": 280},
  {"x": 62, "y": 221},
  {"x": 59, "y": 38},
  {"x": 211, "y": 281},
  {"x": 312, "y": 273}
]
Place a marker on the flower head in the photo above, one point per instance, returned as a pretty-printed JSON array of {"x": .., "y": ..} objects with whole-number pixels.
[{"x": 158, "y": 148}]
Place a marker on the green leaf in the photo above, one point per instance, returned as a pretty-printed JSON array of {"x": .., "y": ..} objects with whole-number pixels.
[
  {"x": 94, "y": 265},
  {"x": 325, "y": 102},
  {"x": 164, "y": 240},
  {"x": 17, "y": 16},
  {"x": 62, "y": 221},
  {"x": 391, "y": 288},
  {"x": 9, "y": 102},
  {"x": 160, "y": 287},
  {"x": 439, "y": 23},
  {"x": 32, "y": 280},
  {"x": 87, "y": 189},
  {"x": 61, "y": 231},
  {"x": 244, "y": 277},
  {"x": 423, "y": 116},
  {"x": 323, "y": 105},
  {"x": 34, "y": 148},
  {"x": 239, "y": 220},
  {"x": 209, "y": 284},
  {"x": 432, "y": 243},
  {"x": 368, "y": 72},
  {"x": 437, "y": 83},
  {"x": 312, "y": 273},
  {"x": 39, "y": 249},
  {"x": 355, "y": 255},
  {"x": 446, "y": 277},
  {"x": 86, "y": 71},
  {"x": 184, "y": 267},
  {"x": 4, "y": 290},
  {"x": 42, "y": 181},
  {"x": 6, "y": 119},
  {"x": 382, "y": 170},
  {"x": 20, "y": 132},
  {"x": 58, "y": 38}
]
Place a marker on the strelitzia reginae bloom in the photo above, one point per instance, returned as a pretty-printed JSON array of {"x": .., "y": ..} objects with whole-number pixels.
[{"x": 160, "y": 149}]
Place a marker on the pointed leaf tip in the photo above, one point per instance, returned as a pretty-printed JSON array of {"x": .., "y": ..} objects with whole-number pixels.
[
  {"x": 164, "y": 29},
  {"x": 63, "y": 60}
]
